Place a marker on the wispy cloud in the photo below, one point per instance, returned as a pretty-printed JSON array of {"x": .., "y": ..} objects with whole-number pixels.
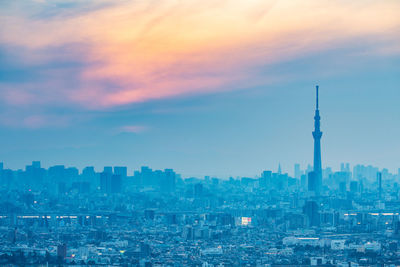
[{"x": 133, "y": 129}]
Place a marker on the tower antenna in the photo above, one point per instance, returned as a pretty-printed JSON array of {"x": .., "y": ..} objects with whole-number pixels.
[{"x": 317, "y": 97}]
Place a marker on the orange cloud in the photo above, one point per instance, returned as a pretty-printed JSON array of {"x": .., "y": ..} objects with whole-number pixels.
[{"x": 141, "y": 50}]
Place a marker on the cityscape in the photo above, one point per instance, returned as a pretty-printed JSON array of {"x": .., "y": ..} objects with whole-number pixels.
[
  {"x": 200, "y": 133},
  {"x": 315, "y": 217}
]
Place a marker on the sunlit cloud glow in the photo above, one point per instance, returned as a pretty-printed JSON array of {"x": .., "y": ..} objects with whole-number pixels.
[{"x": 126, "y": 52}]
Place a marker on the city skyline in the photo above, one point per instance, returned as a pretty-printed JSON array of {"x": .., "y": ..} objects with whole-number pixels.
[
  {"x": 287, "y": 168},
  {"x": 201, "y": 133}
]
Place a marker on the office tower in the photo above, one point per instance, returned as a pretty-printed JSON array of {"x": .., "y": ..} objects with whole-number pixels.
[
  {"x": 34, "y": 175},
  {"x": 265, "y": 179},
  {"x": 110, "y": 184},
  {"x": 310, "y": 209},
  {"x": 57, "y": 172},
  {"x": 88, "y": 173},
  {"x": 379, "y": 177},
  {"x": 71, "y": 173},
  {"x": 7, "y": 177},
  {"x": 297, "y": 171},
  {"x": 354, "y": 186},
  {"x": 123, "y": 171},
  {"x": 108, "y": 169},
  {"x": 36, "y": 164},
  {"x": 168, "y": 183},
  {"x": 105, "y": 180},
  {"x": 317, "y": 134},
  {"x": 116, "y": 184},
  {"x": 147, "y": 176}
]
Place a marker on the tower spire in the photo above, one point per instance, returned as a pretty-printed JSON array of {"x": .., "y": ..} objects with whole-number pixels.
[{"x": 317, "y": 134}]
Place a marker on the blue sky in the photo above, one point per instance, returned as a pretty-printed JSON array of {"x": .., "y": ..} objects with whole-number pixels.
[{"x": 233, "y": 108}]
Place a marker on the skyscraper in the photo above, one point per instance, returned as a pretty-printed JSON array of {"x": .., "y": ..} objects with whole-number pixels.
[
  {"x": 317, "y": 134},
  {"x": 379, "y": 176}
]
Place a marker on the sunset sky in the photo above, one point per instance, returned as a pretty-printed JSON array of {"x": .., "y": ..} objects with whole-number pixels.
[{"x": 208, "y": 87}]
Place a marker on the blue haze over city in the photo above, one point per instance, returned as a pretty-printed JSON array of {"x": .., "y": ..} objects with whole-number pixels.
[{"x": 163, "y": 133}]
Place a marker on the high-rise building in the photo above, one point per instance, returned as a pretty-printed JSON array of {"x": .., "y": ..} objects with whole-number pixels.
[
  {"x": 110, "y": 184},
  {"x": 317, "y": 134},
  {"x": 105, "y": 182},
  {"x": 168, "y": 183},
  {"x": 108, "y": 169},
  {"x": 36, "y": 164},
  {"x": 311, "y": 210},
  {"x": 88, "y": 174},
  {"x": 146, "y": 176},
  {"x": 354, "y": 186},
  {"x": 121, "y": 170},
  {"x": 116, "y": 184},
  {"x": 265, "y": 179},
  {"x": 379, "y": 178}
]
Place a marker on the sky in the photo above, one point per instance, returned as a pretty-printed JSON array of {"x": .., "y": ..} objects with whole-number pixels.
[{"x": 206, "y": 87}]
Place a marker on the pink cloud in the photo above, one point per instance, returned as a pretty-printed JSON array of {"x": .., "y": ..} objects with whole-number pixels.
[
  {"x": 133, "y": 129},
  {"x": 134, "y": 52}
]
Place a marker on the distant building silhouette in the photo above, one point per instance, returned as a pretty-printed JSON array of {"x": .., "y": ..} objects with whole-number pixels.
[
  {"x": 110, "y": 184},
  {"x": 311, "y": 210},
  {"x": 265, "y": 179},
  {"x": 119, "y": 170},
  {"x": 379, "y": 178},
  {"x": 169, "y": 180}
]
